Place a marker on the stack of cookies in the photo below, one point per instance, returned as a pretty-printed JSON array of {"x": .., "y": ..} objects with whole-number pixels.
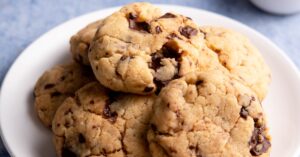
[{"x": 144, "y": 84}]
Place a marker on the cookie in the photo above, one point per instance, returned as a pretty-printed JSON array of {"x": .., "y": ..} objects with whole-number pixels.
[
  {"x": 239, "y": 57},
  {"x": 139, "y": 50},
  {"x": 208, "y": 114},
  {"x": 80, "y": 42},
  {"x": 99, "y": 122},
  {"x": 55, "y": 85}
]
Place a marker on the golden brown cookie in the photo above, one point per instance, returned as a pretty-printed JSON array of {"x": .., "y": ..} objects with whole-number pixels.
[
  {"x": 138, "y": 50},
  {"x": 99, "y": 122},
  {"x": 208, "y": 114},
  {"x": 239, "y": 56},
  {"x": 55, "y": 85},
  {"x": 80, "y": 42}
]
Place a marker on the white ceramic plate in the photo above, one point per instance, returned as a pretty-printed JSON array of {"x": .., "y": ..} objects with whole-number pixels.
[{"x": 24, "y": 136}]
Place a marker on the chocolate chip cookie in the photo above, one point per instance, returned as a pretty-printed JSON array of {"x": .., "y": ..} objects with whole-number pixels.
[
  {"x": 239, "y": 57},
  {"x": 139, "y": 50},
  {"x": 208, "y": 114},
  {"x": 99, "y": 122},
  {"x": 55, "y": 85},
  {"x": 80, "y": 42}
]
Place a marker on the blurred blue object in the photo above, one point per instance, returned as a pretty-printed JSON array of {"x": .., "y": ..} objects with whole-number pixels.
[{"x": 22, "y": 21}]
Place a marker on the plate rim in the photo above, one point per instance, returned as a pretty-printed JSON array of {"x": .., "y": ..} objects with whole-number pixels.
[{"x": 278, "y": 51}]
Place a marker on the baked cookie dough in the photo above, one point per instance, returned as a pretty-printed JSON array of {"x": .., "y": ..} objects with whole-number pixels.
[
  {"x": 208, "y": 115},
  {"x": 239, "y": 57},
  {"x": 102, "y": 123},
  {"x": 55, "y": 85},
  {"x": 80, "y": 42},
  {"x": 139, "y": 50}
]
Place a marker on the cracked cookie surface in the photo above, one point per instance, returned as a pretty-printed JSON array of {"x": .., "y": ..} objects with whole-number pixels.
[
  {"x": 55, "y": 85},
  {"x": 239, "y": 57},
  {"x": 138, "y": 49},
  {"x": 102, "y": 123},
  {"x": 80, "y": 42},
  {"x": 208, "y": 114}
]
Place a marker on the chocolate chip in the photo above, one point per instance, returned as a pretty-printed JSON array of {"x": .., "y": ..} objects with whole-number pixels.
[
  {"x": 172, "y": 35},
  {"x": 156, "y": 60},
  {"x": 158, "y": 29},
  {"x": 244, "y": 112},
  {"x": 148, "y": 89},
  {"x": 107, "y": 113},
  {"x": 68, "y": 111},
  {"x": 62, "y": 78},
  {"x": 188, "y": 31},
  {"x": 48, "y": 86},
  {"x": 139, "y": 26},
  {"x": 169, "y": 52},
  {"x": 55, "y": 94},
  {"x": 168, "y": 15},
  {"x": 159, "y": 85},
  {"x": 259, "y": 144},
  {"x": 199, "y": 82},
  {"x": 92, "y": 102},
  {"x": 81, "y": 138},
  {"x": 66, "y": 152},
  {"x": 123, "y": 58}
]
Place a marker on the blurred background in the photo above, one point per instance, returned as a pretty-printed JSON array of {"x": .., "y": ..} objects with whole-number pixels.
[{"x": 22, "y": 21}]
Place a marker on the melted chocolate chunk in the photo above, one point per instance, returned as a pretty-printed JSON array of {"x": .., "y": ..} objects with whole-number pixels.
[
  {"x": 139, "y": 26},
  {"x": 168, "y": 15},
  {"x": 107, "y": 113},
  {"x": 156, "y": 60},
  {"x": 55, "y": 94},
  {"x": 244, "y": 112},
  {"x": 165, "y": 52},
  {"x": 188, "y": 31},
  {"x": 66, "y": 152},
  {"x": 169, "y": 52},
  {"x": 48, "y": 86},
  {"x": 148, "y": 89},
  {"x": 159, "y": 85},
  {"x": 259, "y": 144},
  {"x": 81, "y": 138},
  {"x": 158, "y": 29}
]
